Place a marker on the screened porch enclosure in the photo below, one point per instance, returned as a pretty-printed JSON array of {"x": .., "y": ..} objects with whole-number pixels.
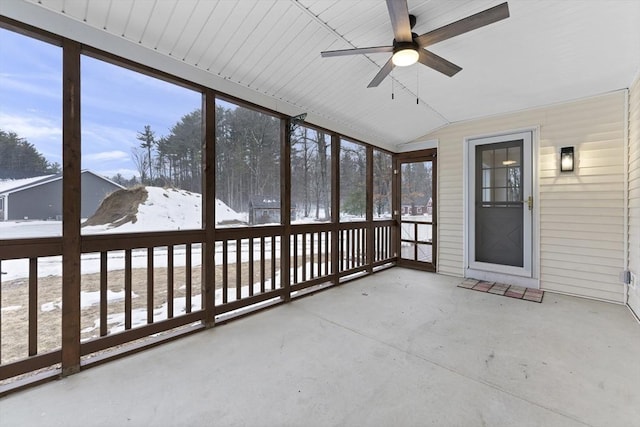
[{"x": 183, "y": 245}]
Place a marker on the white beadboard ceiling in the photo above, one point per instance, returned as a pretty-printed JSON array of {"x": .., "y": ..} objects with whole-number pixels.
[{"x": 268, "y": 52}]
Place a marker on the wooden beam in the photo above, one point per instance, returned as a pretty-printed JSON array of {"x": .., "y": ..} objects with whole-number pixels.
[
  {"x": 285, "y": 207},
  {"x": 335, "y": 206},
  {"x": 208, "y": 210},
  {"x": 71, "y": 153},
  {"x": 369, "y": 237}
]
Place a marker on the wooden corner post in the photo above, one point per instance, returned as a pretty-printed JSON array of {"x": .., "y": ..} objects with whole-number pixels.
[
  {"x": 285, "y": 208},
  {"x": 71, "y": 199},
  {"x": 208, "y": 205}
]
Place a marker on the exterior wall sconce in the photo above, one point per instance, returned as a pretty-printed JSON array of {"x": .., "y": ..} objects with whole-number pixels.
[{"x": 566, "y": 159}]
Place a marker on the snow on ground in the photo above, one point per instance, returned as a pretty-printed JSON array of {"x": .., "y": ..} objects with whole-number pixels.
[
  {"x": 90, "y": 262},
  {"x": 28, "y": 229},
  {"x": 164, "y": 209},
  {"x": 168, "y": 209},
  {"x": 116, "y": 321},
  {"x": 89, "y": 299}
]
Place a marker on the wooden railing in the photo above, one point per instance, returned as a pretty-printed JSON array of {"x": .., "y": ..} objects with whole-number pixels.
[{"x": 136, "y": 286}]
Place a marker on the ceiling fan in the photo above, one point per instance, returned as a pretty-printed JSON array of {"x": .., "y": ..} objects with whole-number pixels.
[{"x": 409, "y": 48}]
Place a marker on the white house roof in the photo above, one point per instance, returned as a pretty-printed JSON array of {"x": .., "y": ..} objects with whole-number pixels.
[
  {"x": 14, "y": 185},
  {"x": 10, "y": 185},
  {"x": 268, "y": 52}
]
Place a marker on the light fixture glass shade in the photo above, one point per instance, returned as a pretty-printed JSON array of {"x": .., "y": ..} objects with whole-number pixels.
[
  {"x": 405, "y": 57},
  {"x": 566, "y": 159}
]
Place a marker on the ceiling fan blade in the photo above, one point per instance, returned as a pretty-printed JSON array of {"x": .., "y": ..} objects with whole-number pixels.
[
  {"x": 399, "y": 14},
  {"x": 384, "y": 72},
  {"x": 480, "y": 19},
  {"x": 362, "y": 50},
  {"x": 438, "y": 63}
]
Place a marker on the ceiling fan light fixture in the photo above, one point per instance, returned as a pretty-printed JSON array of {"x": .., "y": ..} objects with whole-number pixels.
[{"x": 404, "y": 56}]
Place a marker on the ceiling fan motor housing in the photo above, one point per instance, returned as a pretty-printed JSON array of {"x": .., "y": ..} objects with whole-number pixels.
[{"x": 405, "y": 53}]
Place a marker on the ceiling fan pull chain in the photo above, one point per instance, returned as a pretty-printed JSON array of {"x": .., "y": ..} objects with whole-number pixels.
[
  {"x": 417, "y": 88},
  {"x": 392, "y": 87}
]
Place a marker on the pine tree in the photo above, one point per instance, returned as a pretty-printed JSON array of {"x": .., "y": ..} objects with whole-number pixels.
[
  {"x": 147, "y": 138},
  {"x": 20, "y": 159}
]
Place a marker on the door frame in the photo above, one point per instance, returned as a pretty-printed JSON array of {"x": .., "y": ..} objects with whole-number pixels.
[
  {"x": 430, "y": 154},
  {"x": 529, "y": 276}
]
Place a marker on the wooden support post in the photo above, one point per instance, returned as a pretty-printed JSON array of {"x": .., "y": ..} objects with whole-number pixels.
[
  {"x": 395, "y": 208},
  {"x": 285, "y": 207},
  {"x": 335, "y": 207},
  {"x": 208, "y": 210},
  {"x": 369, "y": 237},
  {"x": 70, "y": 207}
]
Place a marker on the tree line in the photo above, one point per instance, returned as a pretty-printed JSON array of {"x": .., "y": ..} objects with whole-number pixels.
[
  {"x": 247, "y": 163},
  {"x": 247, "y": 160},
  {"x": 20, "y": 159}
]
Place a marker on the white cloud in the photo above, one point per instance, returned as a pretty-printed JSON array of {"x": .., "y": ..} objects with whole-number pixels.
[
  {"x": 31, "y": 128},
  {"x": 38, "y": 85},
  {"x": 107, "y": 155},
  {"x": 96, "y": 135}
]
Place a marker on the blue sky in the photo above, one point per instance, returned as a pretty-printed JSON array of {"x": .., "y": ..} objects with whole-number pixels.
[{"x": 116, "y": 104}]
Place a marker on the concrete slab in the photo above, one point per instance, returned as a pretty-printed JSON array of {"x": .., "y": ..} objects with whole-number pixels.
[{"x": 416, "y": 350}]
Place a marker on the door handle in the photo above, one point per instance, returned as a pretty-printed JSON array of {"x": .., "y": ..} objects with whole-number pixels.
[{"x": 529, "y": 202}]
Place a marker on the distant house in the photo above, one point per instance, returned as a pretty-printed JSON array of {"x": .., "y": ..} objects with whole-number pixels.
[
  {"x": 266, "y": 210},
  {"x": 41, "y": 197},
  {"x": 421, "y": 206}
]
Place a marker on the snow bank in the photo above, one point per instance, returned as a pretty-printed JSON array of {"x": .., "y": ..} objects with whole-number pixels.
[{"x": 167, "y": 209}]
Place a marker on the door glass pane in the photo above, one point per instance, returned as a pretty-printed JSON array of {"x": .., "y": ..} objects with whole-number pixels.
[
  {"x": 500, "y": 177},
  {"x": 513, "y": 156},
  {"x": 487, "y": 159}
]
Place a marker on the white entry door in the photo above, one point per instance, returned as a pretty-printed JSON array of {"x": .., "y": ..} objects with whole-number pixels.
[{"x": 500, "y": 209}]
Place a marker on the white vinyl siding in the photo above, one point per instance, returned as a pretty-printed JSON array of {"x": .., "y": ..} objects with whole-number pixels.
[
  {"x": 581, "y": 229},
  {"x": 634, "y": 194}
]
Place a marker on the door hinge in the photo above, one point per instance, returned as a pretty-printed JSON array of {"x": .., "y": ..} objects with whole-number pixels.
[{"x": 530, "y": 202}]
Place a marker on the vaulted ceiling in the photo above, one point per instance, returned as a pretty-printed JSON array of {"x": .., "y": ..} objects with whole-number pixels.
[{"x": 268, "y": 52}]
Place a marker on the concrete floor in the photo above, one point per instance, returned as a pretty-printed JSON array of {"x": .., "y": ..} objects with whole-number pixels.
[{"x": 400, "y": 348}]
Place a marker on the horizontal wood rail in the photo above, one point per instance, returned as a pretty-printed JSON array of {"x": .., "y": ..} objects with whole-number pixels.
[{"x": 30, "y": 248}]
